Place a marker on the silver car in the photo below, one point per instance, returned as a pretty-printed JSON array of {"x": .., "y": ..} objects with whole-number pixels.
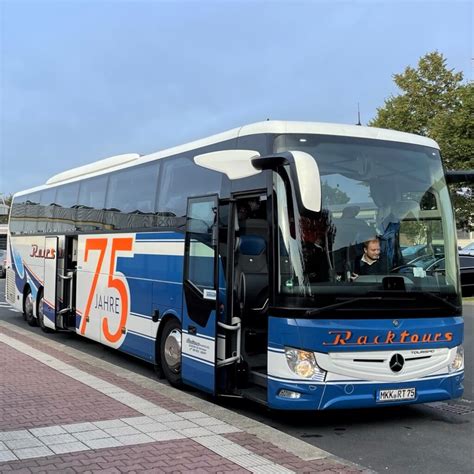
[{"x": 467, "y": 250}]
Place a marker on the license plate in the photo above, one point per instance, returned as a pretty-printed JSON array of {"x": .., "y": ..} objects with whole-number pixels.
[{"x": 396, "y": 394}]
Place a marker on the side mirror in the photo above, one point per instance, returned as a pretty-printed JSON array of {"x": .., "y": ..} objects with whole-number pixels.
[
  {"x": 235, "y": 164},
  {"x": 304, "y": 172}
]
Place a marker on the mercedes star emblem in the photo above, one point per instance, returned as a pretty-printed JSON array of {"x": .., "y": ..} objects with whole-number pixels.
[{"x": 396, "y": 362}]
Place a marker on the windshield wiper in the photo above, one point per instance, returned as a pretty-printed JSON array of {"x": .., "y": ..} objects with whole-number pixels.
[
  {"x": 435, "y": 297},
  {"x": 385, "y": 296},
  {"x": 314, "y": 312}
]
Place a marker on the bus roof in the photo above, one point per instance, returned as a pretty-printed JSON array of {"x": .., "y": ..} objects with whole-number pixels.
[{"x": 269, "y": 126}]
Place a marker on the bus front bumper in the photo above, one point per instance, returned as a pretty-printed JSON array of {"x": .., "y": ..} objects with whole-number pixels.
[{"x": 325, "y": 396}]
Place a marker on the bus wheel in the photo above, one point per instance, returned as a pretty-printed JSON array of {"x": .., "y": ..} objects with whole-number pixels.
[
  {"x": 39, "y": 312},
  {"x": 28, "y": 305},
  {"x": 170, "y": 352}
]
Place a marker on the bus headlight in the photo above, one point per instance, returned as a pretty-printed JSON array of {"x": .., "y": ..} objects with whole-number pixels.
[
  {"x": 303, "y": 364},
  {"x": 458, "y": 362}
]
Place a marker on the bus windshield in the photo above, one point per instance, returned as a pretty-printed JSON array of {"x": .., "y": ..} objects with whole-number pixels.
[{"x": 386, "y": 220}]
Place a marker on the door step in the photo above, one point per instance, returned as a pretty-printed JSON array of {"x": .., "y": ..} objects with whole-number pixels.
[
  {"x": 256, "y": 394},
  {"x": 258, "y": 378}
]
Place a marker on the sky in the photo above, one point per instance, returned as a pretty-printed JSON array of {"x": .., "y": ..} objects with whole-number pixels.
[{"x": 84, "y": 80}]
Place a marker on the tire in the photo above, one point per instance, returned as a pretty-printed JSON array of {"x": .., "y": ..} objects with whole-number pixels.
[
  {"x": 170, "y": 352},
  {"x": 28, "y": 305},
  {"x": 40, "y": 315}
]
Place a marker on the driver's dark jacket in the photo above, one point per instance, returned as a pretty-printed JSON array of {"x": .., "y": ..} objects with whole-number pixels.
[{"x": 380, "y": 267}]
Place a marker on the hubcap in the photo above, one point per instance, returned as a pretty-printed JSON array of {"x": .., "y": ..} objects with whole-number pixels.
[
  {"x": 40, "y": 311},
  {"x": 173, "y": 350},
  {"x": 29, "y": 305}
]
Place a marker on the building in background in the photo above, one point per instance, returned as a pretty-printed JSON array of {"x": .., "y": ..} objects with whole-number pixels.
[{"x": 4, "y": 210}]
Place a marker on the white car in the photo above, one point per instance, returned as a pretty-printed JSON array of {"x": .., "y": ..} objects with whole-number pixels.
[{"x": 467, "y": 250}]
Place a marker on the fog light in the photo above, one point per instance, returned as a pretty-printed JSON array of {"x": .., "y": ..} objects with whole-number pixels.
[
  {"x": 289, "y": 394},
  {"x": 458, "y": 362}
]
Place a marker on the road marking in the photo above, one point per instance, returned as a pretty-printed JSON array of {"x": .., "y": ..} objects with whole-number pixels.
[{"x": 156, "y": 424}]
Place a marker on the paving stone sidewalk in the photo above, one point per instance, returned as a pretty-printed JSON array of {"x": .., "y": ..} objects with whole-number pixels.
[{"x": 65, "y": 411}]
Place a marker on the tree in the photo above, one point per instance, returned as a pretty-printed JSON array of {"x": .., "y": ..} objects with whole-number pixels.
[
  {"x": 334, "y": 195},
  {"x": 435, "y": 102}
]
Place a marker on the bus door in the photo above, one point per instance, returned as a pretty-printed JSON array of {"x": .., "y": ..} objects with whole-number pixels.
[
  {"x": 50, "y": 300},
  {"x": 202, "y": 298},
  {"x": 59, "y": 281}
]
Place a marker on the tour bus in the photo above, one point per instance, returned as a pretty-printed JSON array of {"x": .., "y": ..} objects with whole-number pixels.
[{"x": 230, "y": 263}]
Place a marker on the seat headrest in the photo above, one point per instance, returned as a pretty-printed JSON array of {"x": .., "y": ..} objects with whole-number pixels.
[{"x": 252, "y": 245}]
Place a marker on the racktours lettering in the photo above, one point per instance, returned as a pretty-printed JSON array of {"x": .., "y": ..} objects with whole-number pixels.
[{"x": 347, "y": 338}]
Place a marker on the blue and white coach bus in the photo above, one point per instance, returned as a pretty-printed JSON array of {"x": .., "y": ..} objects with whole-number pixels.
[{"x": 231, "y": 263}]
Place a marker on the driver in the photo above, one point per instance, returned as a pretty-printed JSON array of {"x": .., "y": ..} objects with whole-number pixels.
[{"x": 371, "y": 262}]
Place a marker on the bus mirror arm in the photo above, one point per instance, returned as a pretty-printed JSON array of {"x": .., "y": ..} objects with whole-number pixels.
[{"x": 304, "y": 172}]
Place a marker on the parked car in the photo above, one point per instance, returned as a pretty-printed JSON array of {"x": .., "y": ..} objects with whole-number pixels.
[
  {"x": 467, "y": 250},
  {"x": 432, "y": 263},
  {"x": 414, "y": 251},
  {"x": 3, "y": 263}
]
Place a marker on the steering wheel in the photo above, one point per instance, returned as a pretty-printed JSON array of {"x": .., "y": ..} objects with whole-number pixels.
[{"x": 401, "y": 267}]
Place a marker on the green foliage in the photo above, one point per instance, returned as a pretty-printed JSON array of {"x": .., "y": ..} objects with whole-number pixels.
[
  {"x": 434, "y": 102},
  {"x": 333, "y": 195}
]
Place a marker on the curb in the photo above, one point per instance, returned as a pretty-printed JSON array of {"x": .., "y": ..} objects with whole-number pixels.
[{"x": 288, "y": 443}]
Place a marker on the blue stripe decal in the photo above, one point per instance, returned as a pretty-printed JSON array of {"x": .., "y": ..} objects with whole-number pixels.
[
  {"x": 274, "y": 349},
  {"x": 144, "y": 316},
  {"x": 139, "y": 334},
  {"x": 160, "y": 236},
  {"x": 360, "y": 382},
  {"x": 197, "y": 359},
  {"x": 209, "y": 338}
]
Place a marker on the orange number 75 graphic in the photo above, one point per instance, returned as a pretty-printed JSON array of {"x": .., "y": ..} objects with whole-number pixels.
[{"x": 100, "y": 245}]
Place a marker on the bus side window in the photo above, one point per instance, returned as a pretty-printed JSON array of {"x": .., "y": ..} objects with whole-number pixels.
[
  {"x": 17, "y": 215},
  {"x": 91, "y": 202},
  {"x": 180, "y": 179},
  {"x": 65, "y": 211},
  {"x": 131, "y": 196}
]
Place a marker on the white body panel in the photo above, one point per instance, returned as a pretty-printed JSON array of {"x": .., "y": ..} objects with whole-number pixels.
[{"x": 103, "y": 295}]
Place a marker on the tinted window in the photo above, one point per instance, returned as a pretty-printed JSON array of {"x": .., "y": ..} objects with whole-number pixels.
[
  {"x": 65, "y": 212},
  {"x": 180, "y": 179},
  {"x": 31, "y": 213},
  {"x": 46, "y": 210},
  {"x": 17, "y": 215},
  {"x": 91, "y": 203},
  {"x": 131, "y": 195}
]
